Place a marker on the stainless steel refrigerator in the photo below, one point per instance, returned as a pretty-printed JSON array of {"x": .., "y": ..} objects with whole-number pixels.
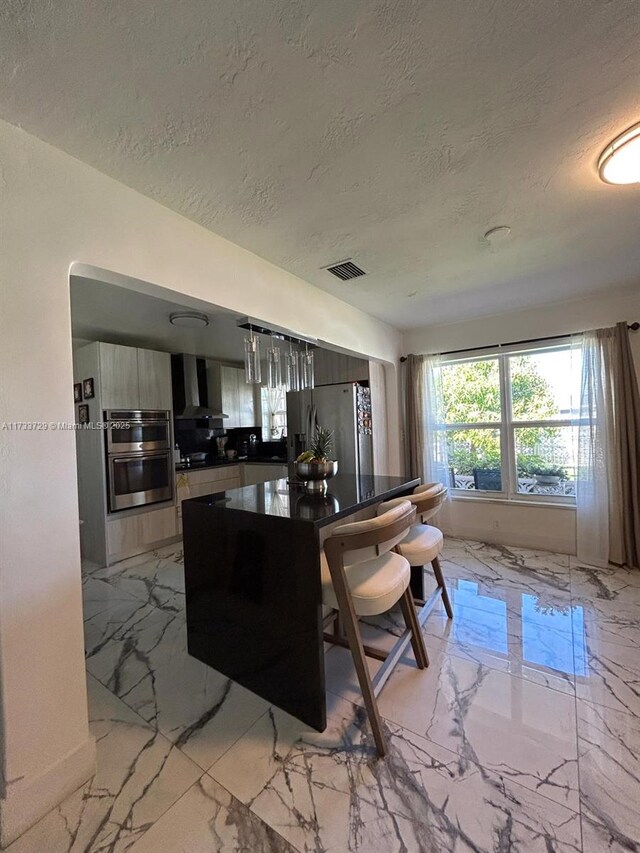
[{"x": 346, "y": 409}]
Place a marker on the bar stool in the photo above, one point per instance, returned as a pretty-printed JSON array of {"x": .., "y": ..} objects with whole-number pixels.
[
  {"x": 423, "y": 545},
  {"x": 362, "y": 576}
]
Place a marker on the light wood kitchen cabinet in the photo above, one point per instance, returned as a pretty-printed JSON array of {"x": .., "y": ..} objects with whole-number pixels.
[
  {"x": 154, "y": 379},
  {"x": 119, "y": 387},
  {"x": 134, "y": 534},
  {"x": 193, "y": 484},
  {"x": 234, "y": 396},
  {"x": 230, "y": 394},
  {"x": 332, "y": 368},
  {"x": 134, "y": 378}
]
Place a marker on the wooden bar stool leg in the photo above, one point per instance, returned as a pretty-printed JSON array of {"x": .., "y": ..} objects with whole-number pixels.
[
  {"x": 417, "y": 582},
  {"x": 337, "y": 628},
  {"x": 411, "y": 621},
  {"x": 350, "y": 624},
  {"x": 437, "y": 570}
]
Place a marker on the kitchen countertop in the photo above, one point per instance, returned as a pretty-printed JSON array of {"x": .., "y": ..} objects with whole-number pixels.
[
  {"x": 218, "y": 463},
  {"x": 346, "y": 494}
]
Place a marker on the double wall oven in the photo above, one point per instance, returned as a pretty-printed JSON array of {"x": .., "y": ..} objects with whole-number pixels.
[{"x": 139, "y": 458}]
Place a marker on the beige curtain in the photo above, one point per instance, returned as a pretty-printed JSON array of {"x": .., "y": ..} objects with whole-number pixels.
[
  {"x": 426, "y": 441},
  {"x": 627, "y": 448},
  {"x": 415, "y": 415},
  {"x": 608, "y": 481}
]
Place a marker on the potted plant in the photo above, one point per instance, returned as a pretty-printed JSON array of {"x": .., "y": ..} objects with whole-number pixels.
[
  {"x": 549, "y": 475},
  {"x": 315, "y": 466}
]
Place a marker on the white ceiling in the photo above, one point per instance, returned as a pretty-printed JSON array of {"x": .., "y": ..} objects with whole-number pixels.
[
  {"x": 119, "y": 315},
  {"x": 102, "y": 311},
  {"x": 390, "y": 131}
]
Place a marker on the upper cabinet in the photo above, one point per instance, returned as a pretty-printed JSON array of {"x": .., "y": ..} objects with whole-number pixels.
[
  {"x": 235, "y": 397},
  {"x": 154, "y": 379},
  {"x": 133, "y": 378},
  {"x": 118, "y": 376},
  {"x": 333, "y": 368}
]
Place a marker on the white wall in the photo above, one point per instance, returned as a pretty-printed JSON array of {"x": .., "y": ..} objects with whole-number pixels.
[
  {"x": 55, "y": 211},
  {"x": 549, "y": 528},
  {"x": 561, "y": 318}
]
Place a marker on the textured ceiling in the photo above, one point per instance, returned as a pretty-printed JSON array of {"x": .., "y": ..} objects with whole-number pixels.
[{"x": 395, "y": 133}]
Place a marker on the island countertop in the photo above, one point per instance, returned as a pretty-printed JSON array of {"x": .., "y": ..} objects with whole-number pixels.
[
  {"x": 346, "y": 494},
  {"x": 252, "y": 583}
]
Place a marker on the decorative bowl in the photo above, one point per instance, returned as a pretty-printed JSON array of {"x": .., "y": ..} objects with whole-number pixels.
[{"x": 316, "y": 474}]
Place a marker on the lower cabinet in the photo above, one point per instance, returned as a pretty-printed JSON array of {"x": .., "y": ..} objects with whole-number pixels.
[
  {"x": 134, "y": 534},
  {"x": 193, "y": 484}
]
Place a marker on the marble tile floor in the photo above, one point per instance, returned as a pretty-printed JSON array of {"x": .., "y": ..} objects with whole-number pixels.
[{"x": 523, "y": 734}]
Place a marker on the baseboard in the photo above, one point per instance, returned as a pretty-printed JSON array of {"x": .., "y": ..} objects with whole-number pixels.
[
  {"x": 29, "y": 798},
  {"x": 142, "y": 549}
]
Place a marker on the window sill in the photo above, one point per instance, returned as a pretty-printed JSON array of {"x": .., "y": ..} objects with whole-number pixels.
[{"x": 512, "y": 502}]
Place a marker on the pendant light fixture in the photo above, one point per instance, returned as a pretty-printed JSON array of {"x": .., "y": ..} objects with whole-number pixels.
[
  {"x": 307, "y": 378},
  {"x": 252, "y": 369},
  {"x": 274, "y": 368},
  {"x": 619, "y": 163},
  {"x": 292, "y": 367},
  {"x": 298, "y": 366}
]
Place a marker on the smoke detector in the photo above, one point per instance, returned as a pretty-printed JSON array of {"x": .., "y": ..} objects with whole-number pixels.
[{"x": 497, "y": 234}]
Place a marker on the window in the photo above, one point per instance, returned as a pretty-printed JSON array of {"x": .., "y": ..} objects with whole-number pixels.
[
  {"x": 274, "y": 413},
  {"x": 508, "y": 423}
]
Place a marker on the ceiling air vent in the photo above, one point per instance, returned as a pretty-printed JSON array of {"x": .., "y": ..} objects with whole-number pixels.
[{"x": 345, "y": 270}]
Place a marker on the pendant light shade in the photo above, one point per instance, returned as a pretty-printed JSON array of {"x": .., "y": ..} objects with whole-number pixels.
[
  {"x": 292, "y": 367},
  {"x": 252, "y": 370},
  {"x": 307, "y": 378},
  {"x": 274, "y": 368}
]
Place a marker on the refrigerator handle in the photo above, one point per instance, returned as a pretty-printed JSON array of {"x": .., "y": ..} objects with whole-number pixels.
[{"x": 312, "y": 423}]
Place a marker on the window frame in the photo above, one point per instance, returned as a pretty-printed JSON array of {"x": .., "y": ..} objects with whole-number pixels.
[{"x": 507, "y": 425}]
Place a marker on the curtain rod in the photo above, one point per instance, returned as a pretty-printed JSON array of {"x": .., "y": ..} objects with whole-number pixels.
[{"x": 631, "y": 326}]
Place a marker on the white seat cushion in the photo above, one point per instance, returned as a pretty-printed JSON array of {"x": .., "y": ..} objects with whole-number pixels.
[
  {"x": 376, "y": 585},
  {"x": 421, "y": 545}
]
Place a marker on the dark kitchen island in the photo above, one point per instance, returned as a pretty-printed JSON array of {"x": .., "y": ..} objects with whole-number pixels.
[{"x": 252, "y": 572}]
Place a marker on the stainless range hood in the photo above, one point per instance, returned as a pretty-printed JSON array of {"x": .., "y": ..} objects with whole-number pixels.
[{"x": 190, "y": 391}]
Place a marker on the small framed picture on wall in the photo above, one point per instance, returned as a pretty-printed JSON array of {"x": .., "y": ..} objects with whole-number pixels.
[
  {"x": 83, "y": 414},
  {"x": 87, "y": 389},
  {"x": 77, "y": 392}
]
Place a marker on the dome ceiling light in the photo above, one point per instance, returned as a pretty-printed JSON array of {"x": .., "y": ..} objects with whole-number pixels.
[
  {"x": 619, "y": 163},
  {"x": 189, "y": 319}
]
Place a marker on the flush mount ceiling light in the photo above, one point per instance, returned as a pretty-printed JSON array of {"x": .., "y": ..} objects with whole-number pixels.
[
  {"x": 619, "y": 163},
  {"x": 497, "y": 234},
  {"x": 189, "y": 319}
]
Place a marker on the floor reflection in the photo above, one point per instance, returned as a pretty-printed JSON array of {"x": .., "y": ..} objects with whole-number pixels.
[{"x": 517, "y": 627}]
